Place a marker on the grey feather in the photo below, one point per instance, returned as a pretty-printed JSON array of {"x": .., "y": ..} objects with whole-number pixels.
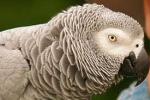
[{"x": 66, "y": 62}]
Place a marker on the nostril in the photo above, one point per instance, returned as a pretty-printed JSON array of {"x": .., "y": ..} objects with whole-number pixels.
[{"x": 137, "y": 45}]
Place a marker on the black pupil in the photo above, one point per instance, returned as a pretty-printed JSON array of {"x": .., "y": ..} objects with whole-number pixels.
[
  {"x": 112, "y": 37},
  {"x": 137, "y": 45}
]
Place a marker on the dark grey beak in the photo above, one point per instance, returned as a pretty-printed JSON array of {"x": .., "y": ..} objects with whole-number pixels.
[{"x": 136, "y": 67}]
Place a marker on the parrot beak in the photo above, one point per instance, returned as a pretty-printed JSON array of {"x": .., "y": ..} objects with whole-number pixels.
[{"x": 136, "y": 67}]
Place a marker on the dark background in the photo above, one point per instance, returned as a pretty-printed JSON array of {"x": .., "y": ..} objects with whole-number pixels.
[{"x": 16, "y": 13}]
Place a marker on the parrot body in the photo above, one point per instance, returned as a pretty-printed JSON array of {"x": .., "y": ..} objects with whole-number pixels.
[{"x": 68, "y": 58}]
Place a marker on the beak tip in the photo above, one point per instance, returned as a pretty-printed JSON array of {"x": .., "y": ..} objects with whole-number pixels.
[
  {"x": 137, "y": 84},
  {"x": 140, "y": 80}
]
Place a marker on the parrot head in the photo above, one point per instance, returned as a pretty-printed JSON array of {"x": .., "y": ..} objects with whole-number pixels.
[
  {"x": 122, "y": 37},
  {"x": 107, "y": 45}
]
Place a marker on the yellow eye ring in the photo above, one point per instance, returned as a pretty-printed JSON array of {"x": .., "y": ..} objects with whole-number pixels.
[{"x": 112, "y": 38}]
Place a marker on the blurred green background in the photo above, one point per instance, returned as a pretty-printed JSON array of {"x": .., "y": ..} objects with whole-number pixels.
[{"x": 16, "y": 13}]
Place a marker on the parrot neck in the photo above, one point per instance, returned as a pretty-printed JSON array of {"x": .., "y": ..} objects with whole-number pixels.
[{"x": 61, "y": 79}]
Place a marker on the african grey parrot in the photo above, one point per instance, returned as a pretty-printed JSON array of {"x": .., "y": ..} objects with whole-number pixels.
[{"x": 78, "y": 53}]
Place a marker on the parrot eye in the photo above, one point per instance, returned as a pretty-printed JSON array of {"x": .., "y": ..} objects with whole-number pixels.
[{"x": 112, "y": 38}]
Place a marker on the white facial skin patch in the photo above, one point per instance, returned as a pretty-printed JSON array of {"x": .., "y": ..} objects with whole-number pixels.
[{"x": 123, "y": 43}]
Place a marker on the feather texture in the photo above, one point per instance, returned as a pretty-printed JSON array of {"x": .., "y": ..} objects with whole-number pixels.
[{"x": 64, "y": 61}]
